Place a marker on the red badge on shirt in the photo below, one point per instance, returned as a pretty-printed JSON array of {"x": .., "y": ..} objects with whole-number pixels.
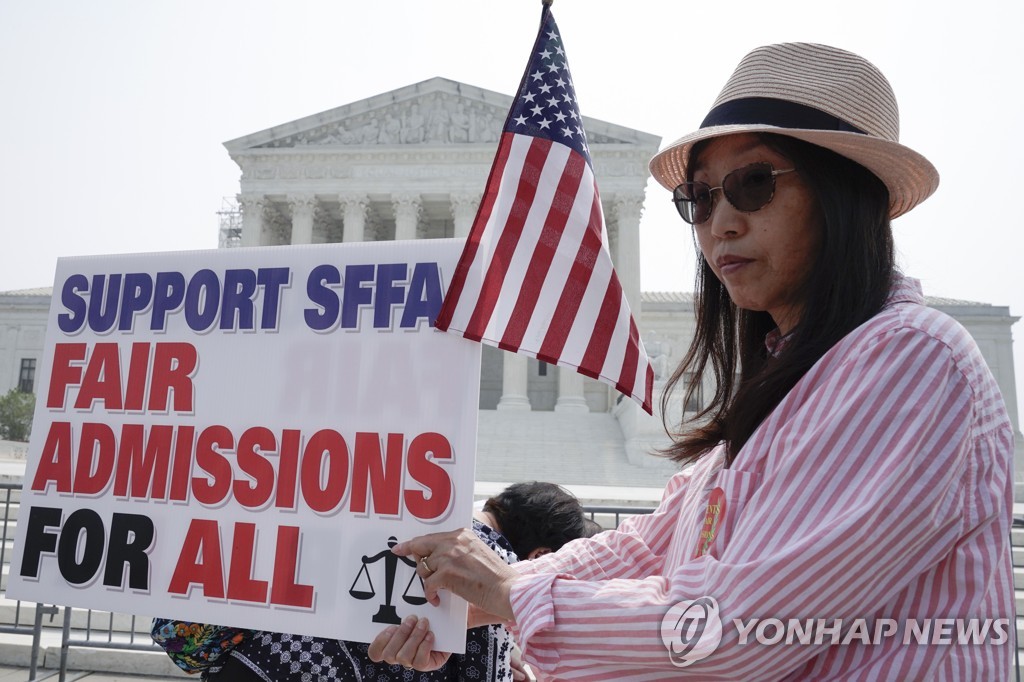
[{"x": 714, "y": 515}]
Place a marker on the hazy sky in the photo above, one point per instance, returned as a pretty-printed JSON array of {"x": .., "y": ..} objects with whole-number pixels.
[{"x": 114, "y": 112}]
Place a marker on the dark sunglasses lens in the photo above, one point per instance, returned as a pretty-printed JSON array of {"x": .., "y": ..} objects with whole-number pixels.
[
  {"x": 750, "y": 188},
  {"x": 693, "y": 201}
]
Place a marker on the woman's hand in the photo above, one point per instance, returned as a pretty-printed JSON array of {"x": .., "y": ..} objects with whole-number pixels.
[
  {"x": 458, "y": 561},
  {"x": 410, "y": 644},
  {"x": 461, "y": 563}
]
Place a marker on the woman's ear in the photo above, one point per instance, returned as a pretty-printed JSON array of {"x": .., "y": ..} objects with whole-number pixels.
[{"x": 538, "y": 552}]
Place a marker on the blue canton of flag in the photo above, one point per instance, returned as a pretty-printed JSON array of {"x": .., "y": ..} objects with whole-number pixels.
[{"x": 546, "y": 104}]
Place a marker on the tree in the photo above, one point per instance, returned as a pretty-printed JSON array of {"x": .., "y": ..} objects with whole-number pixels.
[{"x": 16, "y": 410}]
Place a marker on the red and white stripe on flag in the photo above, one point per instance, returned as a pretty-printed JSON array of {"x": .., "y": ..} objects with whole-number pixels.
[{"x": 536, "y": 276}]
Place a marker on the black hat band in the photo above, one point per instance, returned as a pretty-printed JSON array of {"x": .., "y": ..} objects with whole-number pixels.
[{"x": 774, "y": 112}]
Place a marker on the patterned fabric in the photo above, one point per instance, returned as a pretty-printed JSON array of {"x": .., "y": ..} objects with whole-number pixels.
[
  {"x": 279, "y": 657},
  {"x": 195, "y": 647},
  {"x": 880, "y": 488}
]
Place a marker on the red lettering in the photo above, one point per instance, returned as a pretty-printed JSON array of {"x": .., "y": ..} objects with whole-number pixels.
[
  {"x": 200, "y": 562},
  {"x": 97, "y": 450},
  {"x": 56, "y": 460},
  {"x": 213, "y": 491},
  {"x": 143, "y": 463},
  {"x": 380, "y": 473},
  {"x": 102, "y": 380},
  {"x": 287, "y": 468},
  {"x": 241, "y": 585},
  {"x": 64, "y": 373},
  {"x": 423, "y": 451},
  {"x": 173, "y": 365},
  {"x": 285, "y": 590},
  {"x": 182, "y": 463},
  {"x": 330, "y": 446},
  {"x": 250, "y": 461},
  {"x": 138, "y": 367}
]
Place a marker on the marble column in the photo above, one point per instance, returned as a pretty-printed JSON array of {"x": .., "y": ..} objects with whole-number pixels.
[
  {"x": 252, "y": 218},
  {"x": 514, "y": 375},
  {"x": 354, "y": 208},
  {"x": 627, "y": 210},
  {"x": 303, "y": 212},
  {"x": 407, "y": 213},
  {"x": 570, "y": 392},
  {"x": 464, "y": 206},
  {"x": 11, "y": 367}
]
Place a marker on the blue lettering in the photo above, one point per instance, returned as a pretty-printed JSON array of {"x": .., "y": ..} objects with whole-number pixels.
[
  {"x": 103, "y": 310},
  {"x": 319, "y": 292},
  {"x": 202, "y": 299},
  {"x": 74, "y": 303},
  {"x": 135, "y": 298},
  {"x": 355, "y": 294},
  {"x": 239, "y": 291},
  {"x": 272, "y": 280},
  {"x": 168, "y": 295},
  {"x": 425, "y": 296},
  {"x": 387, "y": 294},
  {"x": 103, "y": 301}
]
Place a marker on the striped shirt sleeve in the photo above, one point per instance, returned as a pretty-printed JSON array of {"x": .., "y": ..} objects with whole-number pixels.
[
  {"x": 637, "y": 547},
  {"x": 867, "y": 489}
]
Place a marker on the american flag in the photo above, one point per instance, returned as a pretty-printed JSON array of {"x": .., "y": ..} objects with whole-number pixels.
[{"x": 536, "y": 277}]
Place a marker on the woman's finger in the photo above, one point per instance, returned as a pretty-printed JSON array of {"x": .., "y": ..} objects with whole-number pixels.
[
  {"x": 380, "y": 643},
  {"x": 424, "y": 545},
  {"x": 393, "y": 644},
  {"x": 424, "y": 568},
  {"x": 420, "y": 628}
]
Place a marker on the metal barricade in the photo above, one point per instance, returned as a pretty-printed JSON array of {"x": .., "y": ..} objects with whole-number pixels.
[
  {"x": 20, "y": 623},
  {"x": 610, "y": 516},
  {"x": 1013, "y": 623},
  {"x": 87, "y": 628}
]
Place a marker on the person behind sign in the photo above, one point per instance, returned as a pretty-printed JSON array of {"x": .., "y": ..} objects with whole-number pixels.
[
  {"x": 523, "y": 521},
  {"x": 855, "y": 461}
]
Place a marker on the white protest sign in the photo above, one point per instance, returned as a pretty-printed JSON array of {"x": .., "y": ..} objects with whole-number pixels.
[{"x": 238, "y": 436}]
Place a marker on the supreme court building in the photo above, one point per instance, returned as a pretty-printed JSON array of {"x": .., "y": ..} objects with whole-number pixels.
[{"x": 412, "y": 164}]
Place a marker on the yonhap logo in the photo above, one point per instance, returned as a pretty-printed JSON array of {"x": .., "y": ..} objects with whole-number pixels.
[{"x": 691, "y": 630}]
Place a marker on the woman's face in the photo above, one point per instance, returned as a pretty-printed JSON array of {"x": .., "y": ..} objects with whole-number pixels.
[{"x": 763, "y": 257}]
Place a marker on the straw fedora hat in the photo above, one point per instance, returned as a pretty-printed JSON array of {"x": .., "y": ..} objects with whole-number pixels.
[{"x": 822, "y": 95}]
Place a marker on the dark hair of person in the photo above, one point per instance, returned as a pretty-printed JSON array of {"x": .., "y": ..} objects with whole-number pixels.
[
  {"x": 848, "y": 283},
  {"x": 591, "y": 527},
  {"x": 536, "y": 514}
]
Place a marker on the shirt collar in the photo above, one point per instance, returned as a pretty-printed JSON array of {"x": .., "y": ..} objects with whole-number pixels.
[
  {"x": 775, "y": 341},
  {"x": 905, "y": 290}
]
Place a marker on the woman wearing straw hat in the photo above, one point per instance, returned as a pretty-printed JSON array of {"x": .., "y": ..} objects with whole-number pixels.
[{"x": 851, "y": 481}]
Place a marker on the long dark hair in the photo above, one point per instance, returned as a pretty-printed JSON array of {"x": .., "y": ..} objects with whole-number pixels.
[{"x": 848, "y": 283}]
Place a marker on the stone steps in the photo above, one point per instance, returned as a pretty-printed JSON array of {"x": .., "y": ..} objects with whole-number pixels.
[
  {"x": 117, "y": 624},
  {"x": 126, "y": 663}
]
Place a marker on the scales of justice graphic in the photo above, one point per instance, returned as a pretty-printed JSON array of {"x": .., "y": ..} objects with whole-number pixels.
[{"x": 362, "y": 586}]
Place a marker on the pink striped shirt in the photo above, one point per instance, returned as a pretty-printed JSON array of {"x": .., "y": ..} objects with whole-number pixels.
[{"x": 879, "y": 488}]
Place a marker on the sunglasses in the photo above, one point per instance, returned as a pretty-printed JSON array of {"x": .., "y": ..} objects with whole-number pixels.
[{"x": 748, "y": 189}]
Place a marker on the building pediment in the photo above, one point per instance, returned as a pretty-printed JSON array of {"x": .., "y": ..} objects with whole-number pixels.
[{"x": 434, "y": 112}]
